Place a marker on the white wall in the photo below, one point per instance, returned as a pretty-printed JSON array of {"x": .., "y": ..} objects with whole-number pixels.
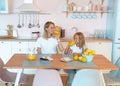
[{"x": 55, "y": 8}]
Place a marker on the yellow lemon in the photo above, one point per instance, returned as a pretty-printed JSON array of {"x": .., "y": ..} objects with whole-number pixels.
[
  {"x": 86, "y": 53},
  {"x": 84, "y": 59},
  {"x": 90, "y": 54},
  {"x": 32, "y": 57},
  {"x": 57, "y": 33},
  {"x": 80, "y": 58},
  {"x": 93, "y": 52},
  {"x": 87, "y": 50},
  {"x": 76, "y": 57},
  {"x": 71, "y": 43}
]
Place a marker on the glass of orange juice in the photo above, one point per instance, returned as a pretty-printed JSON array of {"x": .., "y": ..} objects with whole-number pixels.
[
  {"x": 31, "y": 56},
  {"x": 71, "y": 43}
]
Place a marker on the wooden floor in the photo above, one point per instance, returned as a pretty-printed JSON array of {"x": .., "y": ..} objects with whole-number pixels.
[{"x": 30, "y": 80}]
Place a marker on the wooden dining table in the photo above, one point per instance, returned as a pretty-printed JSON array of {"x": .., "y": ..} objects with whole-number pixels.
[{"x": 17, "y": 60}]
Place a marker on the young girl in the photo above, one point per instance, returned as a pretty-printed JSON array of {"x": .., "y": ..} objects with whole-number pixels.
[
  {"x": 49, "y": 43},
  {"x": 78, "y": 47}
]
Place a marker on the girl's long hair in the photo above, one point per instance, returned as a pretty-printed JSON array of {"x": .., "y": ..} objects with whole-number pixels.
[
  {"x": 47, "y": 24},
  {"x": 81, "y": 39}
]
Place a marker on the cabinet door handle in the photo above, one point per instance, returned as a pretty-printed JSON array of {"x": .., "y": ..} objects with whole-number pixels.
[
  {"x": 19, "y": 42},
  {"x": 19, "y": 49}
]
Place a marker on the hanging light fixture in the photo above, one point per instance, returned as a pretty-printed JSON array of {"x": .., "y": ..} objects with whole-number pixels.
[{"x": 28, "y": 6}]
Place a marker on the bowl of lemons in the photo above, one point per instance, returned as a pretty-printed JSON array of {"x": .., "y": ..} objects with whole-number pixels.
[
  {"x": 88, "y": 58},
  {"x": 89, "y": 55}
]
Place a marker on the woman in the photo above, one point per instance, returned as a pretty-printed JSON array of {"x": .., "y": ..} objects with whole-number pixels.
[{"x": 50, "y": 42}]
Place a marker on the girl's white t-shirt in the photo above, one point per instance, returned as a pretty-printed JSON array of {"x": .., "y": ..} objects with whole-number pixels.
[
  {"x": 76, "y": 49},
  {"x": 48, "y": 46}
]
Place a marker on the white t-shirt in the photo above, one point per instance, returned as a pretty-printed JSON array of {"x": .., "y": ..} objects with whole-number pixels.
[
  {"x": 48, "y": 46},
  {"x": 76, "y": 49}
]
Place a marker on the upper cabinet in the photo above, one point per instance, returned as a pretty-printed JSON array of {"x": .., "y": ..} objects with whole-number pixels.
[
  {"x": 4, "y": 6},
  {"x": 91, "y": 6}
]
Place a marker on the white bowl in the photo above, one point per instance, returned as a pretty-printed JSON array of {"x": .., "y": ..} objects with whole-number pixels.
[
  {"x": 66, "y": 59},
  {"x": 89, "y": 58}
]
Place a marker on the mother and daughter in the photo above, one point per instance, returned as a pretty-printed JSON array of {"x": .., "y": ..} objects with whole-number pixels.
[{"x": 49, "y": 43}]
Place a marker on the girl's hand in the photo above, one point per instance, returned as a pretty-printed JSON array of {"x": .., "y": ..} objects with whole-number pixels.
[{"x": 68, "y": 50}]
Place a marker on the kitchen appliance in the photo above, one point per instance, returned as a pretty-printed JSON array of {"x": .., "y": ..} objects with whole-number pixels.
[
  {"x": 113, "y": 28},
  {"x": 35, "y": 35},
  {"x": 28, "y": 6}
]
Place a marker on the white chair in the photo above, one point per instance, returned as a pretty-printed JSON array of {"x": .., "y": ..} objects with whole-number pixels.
[
  {"x": 113, "y": 78},
  {"x": 88, "y": 77},
  {"x": 47, "y": 77}
]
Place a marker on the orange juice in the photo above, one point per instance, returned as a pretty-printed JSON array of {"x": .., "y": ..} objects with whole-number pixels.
[
  {"x": 31, "y": 57},
  {"x": 71, "y": 43}
]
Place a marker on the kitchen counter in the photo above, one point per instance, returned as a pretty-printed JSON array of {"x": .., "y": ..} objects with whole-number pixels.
[
  {"x": 88, "y": 40},
  {"x": 62, "y": 39},
  {"x": 17, "y": 39}
]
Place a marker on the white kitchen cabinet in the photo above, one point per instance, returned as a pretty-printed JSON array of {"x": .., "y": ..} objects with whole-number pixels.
[
  {"x": 116, "y": 55},
  {"x": 5, "y": 50},
  {"x": 19, "y": 47},
  {"x": 104, "y": 48}
]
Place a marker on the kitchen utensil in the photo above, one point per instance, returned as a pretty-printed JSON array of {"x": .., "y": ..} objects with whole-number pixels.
[
  {"x": 19, "y": 26},
  {"x": 33, "y": 20},
  {"x": 29, "y": 25},
  {"x": 23, "y": 20},
  {"x": 38, "y": 25}
]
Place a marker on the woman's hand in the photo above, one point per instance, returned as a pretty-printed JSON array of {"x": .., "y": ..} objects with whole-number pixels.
[{"x": 38, "y": 50}]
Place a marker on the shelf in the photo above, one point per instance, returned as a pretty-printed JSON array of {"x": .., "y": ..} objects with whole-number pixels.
[
  {"x": 72, "y": 7},
  {"x": 87, "y": 12}
]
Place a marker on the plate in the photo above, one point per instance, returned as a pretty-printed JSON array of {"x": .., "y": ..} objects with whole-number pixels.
[
  {"x": 45, "y": 58},
  {"x": 66, "y": 59}
]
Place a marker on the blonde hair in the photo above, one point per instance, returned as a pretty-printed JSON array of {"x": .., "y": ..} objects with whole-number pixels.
[
  {"x": 81, "y": 39},
  {"x": 47, "y": 24}
]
